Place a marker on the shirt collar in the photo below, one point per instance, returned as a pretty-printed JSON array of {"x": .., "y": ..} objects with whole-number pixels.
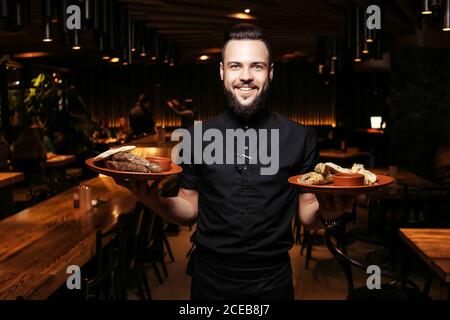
[{"x": 257, "y": 121}]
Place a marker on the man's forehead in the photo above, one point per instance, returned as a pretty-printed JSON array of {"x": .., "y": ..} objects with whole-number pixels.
[{"x": 246, "y": 51}]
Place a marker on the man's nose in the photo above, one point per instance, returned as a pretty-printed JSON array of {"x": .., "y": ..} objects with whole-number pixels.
[{"x": 246, "y": 75}]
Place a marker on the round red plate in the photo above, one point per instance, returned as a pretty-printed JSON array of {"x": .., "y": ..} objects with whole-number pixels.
[
  {"x": 96, "y": 166},
  {"x": 332, "y": 188}
]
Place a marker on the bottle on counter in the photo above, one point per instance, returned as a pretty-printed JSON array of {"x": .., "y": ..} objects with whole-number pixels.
[
  {"x": 85, "y": 198},
  {"x": 76, "y": 200}
]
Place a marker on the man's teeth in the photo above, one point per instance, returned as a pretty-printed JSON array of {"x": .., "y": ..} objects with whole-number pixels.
[{"x": 246, "y": 89}]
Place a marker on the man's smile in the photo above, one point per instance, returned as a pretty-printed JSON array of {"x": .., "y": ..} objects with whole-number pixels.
[{"x": 246, "y": 90}]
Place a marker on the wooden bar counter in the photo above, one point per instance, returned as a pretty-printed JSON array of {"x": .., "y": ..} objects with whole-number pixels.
[{"x": 38, "y": 244}]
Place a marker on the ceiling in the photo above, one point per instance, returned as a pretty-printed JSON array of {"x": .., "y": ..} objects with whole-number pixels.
[{"x": 198, "y": 26}]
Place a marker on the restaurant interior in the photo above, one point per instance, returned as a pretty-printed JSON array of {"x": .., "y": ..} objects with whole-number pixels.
[{"x": 374, "y": 85}]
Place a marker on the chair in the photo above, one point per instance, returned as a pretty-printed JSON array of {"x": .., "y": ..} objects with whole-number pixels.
[
  {"x": 427, "y": 207},
  {"x": 307, "y": 242},
  {"x": 104, "y": 284},
  {"x": 400, "y": 288},
  {"x": 153, "y": 244},
  {"x": 310, "y": 236},
  {"x": 169, "y": 188},
  {"x": 444, "y": 175},
  {"x": 132, "y": 266},
  {"x": 119, "y": 264},
  {"x": 29, "y": 194},
  {"x": 35, "y": 188},
  {"x": 146, "y": 241},
  {"x": 64, "y": 182}
]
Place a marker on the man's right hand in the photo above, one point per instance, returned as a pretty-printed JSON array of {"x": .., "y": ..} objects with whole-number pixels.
[
  {"x": 145, "y": 191},
  {"x": 182, "y": 209}
]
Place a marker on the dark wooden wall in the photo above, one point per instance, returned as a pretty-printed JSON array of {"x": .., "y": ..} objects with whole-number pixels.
[
  {"x": 109, "y": 92},
  {"x": 360, "y": 95},
  {"x": 420, "y": 107}
]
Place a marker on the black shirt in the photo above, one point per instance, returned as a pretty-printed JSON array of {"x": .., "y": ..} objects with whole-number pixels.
[{"x": 244, "y": 215}]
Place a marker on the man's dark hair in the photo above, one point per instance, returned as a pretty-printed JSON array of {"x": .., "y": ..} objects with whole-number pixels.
[
  {"x": 143, "y": 98},
  {"x": 246, "y": 31}
]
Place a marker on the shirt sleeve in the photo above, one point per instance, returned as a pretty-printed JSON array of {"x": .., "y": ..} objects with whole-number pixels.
[
  {"x": 189, "y": 178},
  {"x": 311, "y": 152}
]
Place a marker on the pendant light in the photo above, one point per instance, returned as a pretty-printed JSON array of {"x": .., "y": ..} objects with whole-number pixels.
[
  {"x": 426, "y": 8},
  {"x": 16, "y": 14},
  {"x": 155, "y": 45},
  {"x": 446, "y": 26},
  {"x": 4, "y": 9},
  {"x": 112, "y": 27},
  {"x": 357, "y": 36},
  {"x": 87, "y": 10},
  {"x": 101, "y": 18},
  {"x": 131, "y": 35},
  {"x": 144, "y": 40},
  {"x": 75, "y": 40},
  {"x": 46, "y": 20},
  {"x": 334, "y": 48},
  {"x": 333, "y": 67}
]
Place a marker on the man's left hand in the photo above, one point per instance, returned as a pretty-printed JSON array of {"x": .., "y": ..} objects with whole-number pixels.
[{"x": 332, "y": 206}]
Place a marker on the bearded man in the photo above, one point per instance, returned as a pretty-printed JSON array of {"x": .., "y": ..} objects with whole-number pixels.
[{"x": 243, "y": 217}]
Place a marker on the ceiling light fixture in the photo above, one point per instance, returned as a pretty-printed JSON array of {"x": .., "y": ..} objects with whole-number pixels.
[
  {"x": 46, "y": 20},
  {"x": 76, "y": 40},
  {"x": 426, "y": 7},
  {"x": 446, "y": 26},
  {"x": 241, "y": 16},
  {"x": 357, "y": 33}
]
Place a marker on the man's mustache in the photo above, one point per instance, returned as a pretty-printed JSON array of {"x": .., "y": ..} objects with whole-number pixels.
[{"x": 246, "y": 85}]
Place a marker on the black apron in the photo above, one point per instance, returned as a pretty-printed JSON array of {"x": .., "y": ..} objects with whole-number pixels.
[{"x": 217, "y": 277}]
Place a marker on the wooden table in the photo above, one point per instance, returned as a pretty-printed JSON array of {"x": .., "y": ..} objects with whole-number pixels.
[
  {"x": 433, "y": 247},
  {"x": 404, "y": 179},
  {"x": 153, "y": 141},
  {"x": 56, "y": 166},
  {"x": 59, "y": 160},
  {"x": 6, "y": 195},
  {"x": 163, "y": 151},
  {"x": 339, "y": 154},
  {"x": 9, "y": 178},
  {"x": 107, "y": 141},
  {"x": 39, "y": 243}
]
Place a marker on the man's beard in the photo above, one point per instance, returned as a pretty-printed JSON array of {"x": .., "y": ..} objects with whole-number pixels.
[{"x": 247, "y": 112}]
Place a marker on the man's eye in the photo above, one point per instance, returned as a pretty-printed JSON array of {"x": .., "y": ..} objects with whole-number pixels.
[
  {"x": 258, "y": 67},
  {"x": 234, "y": 66}
]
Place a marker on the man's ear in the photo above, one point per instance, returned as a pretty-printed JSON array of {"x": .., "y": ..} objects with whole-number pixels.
[
  {"x": 271, "y": 71},
  {"x": 221, "y": 71}
]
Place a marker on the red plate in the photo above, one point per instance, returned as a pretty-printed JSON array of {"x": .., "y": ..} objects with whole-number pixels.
[
  {"x": 332, "y": 188},
  {"x": 174, "y": 169}
]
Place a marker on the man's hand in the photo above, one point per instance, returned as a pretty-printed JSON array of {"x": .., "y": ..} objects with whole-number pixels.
[
  {"x": 329, "y": 206},
  {"x": 332, "y": 206},
  {"x": 182, "y": 209},
  {"x": 145, "y": 191}
]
